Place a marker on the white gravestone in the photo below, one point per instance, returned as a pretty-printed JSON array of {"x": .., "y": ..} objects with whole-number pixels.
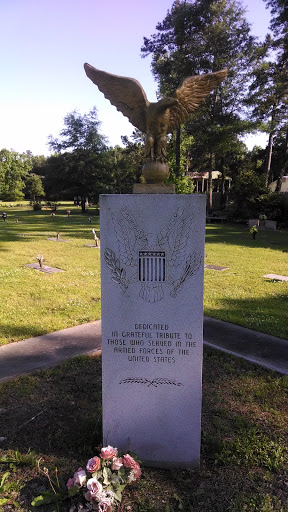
[{"x": 152, "y": 267}]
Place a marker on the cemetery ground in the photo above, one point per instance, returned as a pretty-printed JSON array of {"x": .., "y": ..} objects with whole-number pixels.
[
  {"x": 52, "y": 418},
  {"x": 34, "y": 303}
]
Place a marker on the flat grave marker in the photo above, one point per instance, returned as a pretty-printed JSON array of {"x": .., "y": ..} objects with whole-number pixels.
[
  {"x": 276, "y": 277},
  {"x": 215, "y": 267},
  {"x": 44, "y": 268}
]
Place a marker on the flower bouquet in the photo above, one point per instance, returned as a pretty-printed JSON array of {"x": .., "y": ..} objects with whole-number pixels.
[
  {"x": 109, "y": 475},
  {"x": 99, "y": 487}
]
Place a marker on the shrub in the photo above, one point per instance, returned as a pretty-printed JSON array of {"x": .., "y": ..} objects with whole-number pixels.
[{"x": 37, "y": 206}]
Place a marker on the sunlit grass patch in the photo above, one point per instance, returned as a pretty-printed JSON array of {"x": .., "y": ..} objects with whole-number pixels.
[
  {"x": 35, "y": 302},
  {"x": 240, "y": 294}
]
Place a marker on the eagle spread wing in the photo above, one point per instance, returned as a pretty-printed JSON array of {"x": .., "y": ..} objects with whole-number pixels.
[
  {"x": 191, "y": 93},
  {"x": 126, "y": 94}
]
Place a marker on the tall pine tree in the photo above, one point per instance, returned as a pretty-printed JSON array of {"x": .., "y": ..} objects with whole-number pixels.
[
  {"x": 204, "y": 36},
  {"x": 279, "y": 28}
]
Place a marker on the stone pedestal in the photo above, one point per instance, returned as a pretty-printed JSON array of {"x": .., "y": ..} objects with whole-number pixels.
[{"x": 152, "y": 265}]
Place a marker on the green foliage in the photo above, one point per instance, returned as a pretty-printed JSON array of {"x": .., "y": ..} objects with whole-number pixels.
[
  {"x": 9, "y": 486},
  {"x": 183, "y": 184},
  {"x": 274, "y": 206},
  {"x": 125, "y": 165},
  {"x": 37, "y": 206},
  {"x": 57, "y": 494},
  {"x": 79, "y": 173},
  {"x": 80, "y": 132},
  {"x": 89, "y": 168},
  {"x": 247, "y": 189},
  {"x": 13, "y": 171},
  {"x": 16, "y": 458},
  {"x": 254, "y": 231},
  {"x": 7, "y": 489},
  {"x": 34, "y": 187},
  {"x": 253, "y": 448}
]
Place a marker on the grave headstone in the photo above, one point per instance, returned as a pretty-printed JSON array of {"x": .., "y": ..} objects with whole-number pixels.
[
  {"x": 270, "y": 225},
  {"x": 253, "y": 222},
  {"x": 152, "y": 266}
]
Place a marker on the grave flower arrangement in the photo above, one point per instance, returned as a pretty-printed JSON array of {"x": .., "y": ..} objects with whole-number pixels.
[
  {"x": 254, "y": 231},
  {"x": 262, "y": 217},
  {"x": 100, "y": 485}
]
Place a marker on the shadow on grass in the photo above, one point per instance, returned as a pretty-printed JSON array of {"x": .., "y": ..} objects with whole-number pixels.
[
  {"x": 56, "y": 411},
  {"x": 19, "y": 332},
  {"x": 239, "y": 235},
  {"x": 57, "y": 414}
]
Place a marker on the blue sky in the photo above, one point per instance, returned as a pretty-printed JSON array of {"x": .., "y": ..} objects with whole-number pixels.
[{"x": 44, "y": 46}]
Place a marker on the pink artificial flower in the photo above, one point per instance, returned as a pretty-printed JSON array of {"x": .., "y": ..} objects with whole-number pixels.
[
  {"x": 105, "y": 505},
  {"x": 70, "y": 484},
  {"x": 94, "y": 487},
  {"x": 128, "y": 461},
  {"x": 136, "y": 470},
  {"x": 79, "y": 477},
  {"x": 93, "y": 464},
  {"x": 108, "y": 453},
  {"x": 117, "y": 463},
  {"x": 88, "y": 496}
]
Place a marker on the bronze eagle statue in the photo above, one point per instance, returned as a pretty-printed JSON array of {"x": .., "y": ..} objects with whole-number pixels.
[{"x": 156, "y": 119}]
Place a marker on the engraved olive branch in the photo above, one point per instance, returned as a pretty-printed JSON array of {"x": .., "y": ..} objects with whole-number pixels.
[
  {"x": 192, "y": 264},
  {"x": 118, "y": 275},
  {"x": 154, "y": 382}
]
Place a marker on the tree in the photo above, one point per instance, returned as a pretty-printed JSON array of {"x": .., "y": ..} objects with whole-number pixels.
[
  {"x": 13, "y": 172},
  {"x": 247, "y": 190},
  {"x": 201, "y": 37},
  {"x": 83, "y": 174},
  {"x": 279, "y": 28},
  {"x": 268, "y": 98},
  {"x": 79, "y": 133},
  {"x": 34, "y": 187},
  {"x": 80, "y": 164}
]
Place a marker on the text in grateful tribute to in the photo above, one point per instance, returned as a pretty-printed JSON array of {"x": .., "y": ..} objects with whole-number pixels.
[{"x": 151, "y": 343}]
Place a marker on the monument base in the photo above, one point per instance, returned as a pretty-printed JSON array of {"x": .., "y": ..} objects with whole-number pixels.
[{"x": 154, "y": 188}]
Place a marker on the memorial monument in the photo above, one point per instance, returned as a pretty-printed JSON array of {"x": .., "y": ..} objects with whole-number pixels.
[{"x": 152, "y": 266}]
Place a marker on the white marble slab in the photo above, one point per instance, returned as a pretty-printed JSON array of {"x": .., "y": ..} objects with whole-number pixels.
[
  {"x": 277, "y": 277},
  {"x": 152, "y": 266}
]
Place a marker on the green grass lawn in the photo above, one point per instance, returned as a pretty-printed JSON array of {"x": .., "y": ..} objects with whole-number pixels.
[
  {"x": 34, "y": 303},
  {"x": 241, "y": 294}
]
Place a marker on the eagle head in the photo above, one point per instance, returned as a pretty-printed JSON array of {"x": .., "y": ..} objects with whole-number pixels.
[{"x": 166, "y": 103}]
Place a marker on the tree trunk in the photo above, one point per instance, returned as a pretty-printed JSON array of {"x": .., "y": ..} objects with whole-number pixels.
[
  {"x": 223, "y": 176},
  {"x": 177, "y": 153},
  {"x": 83, "y": 203},
  {"x": 285, "y": 165},
  {"x": 210, "y": 183},
  {"x": 268, "y": 159}
]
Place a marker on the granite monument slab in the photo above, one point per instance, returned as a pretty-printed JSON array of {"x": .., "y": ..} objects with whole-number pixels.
[{"x": 152, "y": 267}]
